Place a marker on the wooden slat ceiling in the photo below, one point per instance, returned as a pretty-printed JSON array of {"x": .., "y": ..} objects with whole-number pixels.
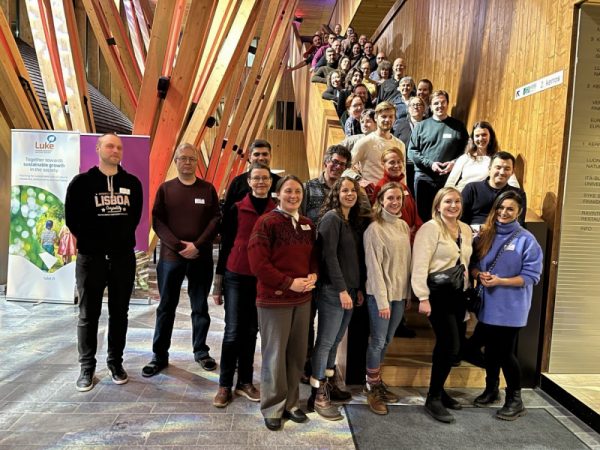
[
  {"x": 369, "y": 15},
  {"x": 314, "y": 14}
]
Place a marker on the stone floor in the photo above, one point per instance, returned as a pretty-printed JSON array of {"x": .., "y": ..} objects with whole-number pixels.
[{"x": 40, "y": 408}]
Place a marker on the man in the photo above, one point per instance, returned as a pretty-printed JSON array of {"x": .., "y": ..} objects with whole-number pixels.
[
  {"x": 367, "y": 151},
  {"x": 336, "y": 159},
  {"x": 347, "y": 43},
  {"x": 321, "y": 74},
  {"x": 337, "y": 30},
  {"x": 424, "y": 90},
  {"x": 375, "y": 73},
  {"x": 260, "y": 151},
  {"x": 368, "y": 53},
  {"x": 321, "y": 51},
  {"x": 103, "y": 208},
  {"x": 365, "y": 68},
  {"x": 185, "y": 217},
  {"x": 337, "y": 54},
  {"x": 390, "y": 86},
  {"x": 478, "y": 197},
  {"x": 435, "y": 144}
]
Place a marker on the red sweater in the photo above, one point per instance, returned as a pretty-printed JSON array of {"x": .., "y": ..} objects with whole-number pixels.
[
  {"x": 278, "y": 253},
  {"x": 409, "y": 208}
]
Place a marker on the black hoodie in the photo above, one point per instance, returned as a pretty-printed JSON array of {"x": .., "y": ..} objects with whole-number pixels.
[{"x": 103, "y": 211}]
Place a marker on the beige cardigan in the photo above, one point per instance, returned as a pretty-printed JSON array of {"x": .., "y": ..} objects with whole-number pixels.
[
  {"x": 433, "y": 251},
  {"x": 387, "y": 257}
]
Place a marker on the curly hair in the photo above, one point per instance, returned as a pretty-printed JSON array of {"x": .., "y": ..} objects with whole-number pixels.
[{"x": 332, "y": 200}]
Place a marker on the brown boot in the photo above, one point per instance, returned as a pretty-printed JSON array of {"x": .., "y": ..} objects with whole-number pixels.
[
  {"x": 320, "y": 401},
  {"x": 376, "y": 398},
  {"x": 223, "y": 397}
]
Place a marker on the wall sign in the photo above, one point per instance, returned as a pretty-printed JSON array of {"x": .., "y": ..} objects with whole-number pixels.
[{"x": 539, "y": 85}]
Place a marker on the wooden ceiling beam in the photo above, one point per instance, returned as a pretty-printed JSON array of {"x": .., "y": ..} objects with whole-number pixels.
[
  {"x": 22, "y": 105},
  {"x": 167, "y": 21},
  {"x": 71, "y": 66},
  {"x": 180, "y": 89},
  {"x": 220, "y": 168},
  {"x": 119, "y": 77},
  {"x": 135, "y": 35}
]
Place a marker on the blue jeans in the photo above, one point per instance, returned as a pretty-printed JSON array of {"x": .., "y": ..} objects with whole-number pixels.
[
  {"x": 171, "y": 274},
  {"x": 382, "y": 330},
  {"x": 241, "y": 328},
  {"x": 333, "y": 322}
]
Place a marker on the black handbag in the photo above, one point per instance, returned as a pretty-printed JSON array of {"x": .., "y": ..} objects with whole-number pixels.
[
  {"x": 473, "y": 294},
  {"x": 452, "y": 279}
]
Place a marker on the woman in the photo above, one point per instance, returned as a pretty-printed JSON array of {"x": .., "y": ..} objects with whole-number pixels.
[
  {"x": 239, "y": 288},
  {"x": 509, "y": 263},
  {"x": 334, "y": 87},
  {"x": 341, "y": 286},
  {"x": 355, "y": 54},
  {"x": 393, "y": 170},
  {"x": 402, "y": 97},
  {"x": 355, "y": 106},
  {"x": 442, "y": 243},
  {"x": 474, "y": 165},
  {"x": 384, "y": 71},
  {"x": 387, "y": 257},
  {"x": 282, "y": 258},
  {"x": 353, "y": 78},
  {"x": 344, "y": 65}
]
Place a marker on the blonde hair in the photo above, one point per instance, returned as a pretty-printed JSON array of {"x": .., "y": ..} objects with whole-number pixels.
[
  {"x": 437, "y": 201},
  {"x": 378, "y": 206},
  {"x": 395, "y": 150}
]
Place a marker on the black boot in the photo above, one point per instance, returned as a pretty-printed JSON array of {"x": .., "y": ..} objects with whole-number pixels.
[
  {"x": 490, "y": 395},
  {"x": 449, "y": 402},
  {"x": 435, "y": 408},
  {"x": 513, "y": 406},
  {"x": 310, "y": 403},
  {"x": 335, "y": 393}
]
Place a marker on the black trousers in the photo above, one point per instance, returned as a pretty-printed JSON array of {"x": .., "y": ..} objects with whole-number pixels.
[
  {"x": 93, "y": 274},
  {"x": 448, "y": 322},
  {"x": 425, "y": 190},
  {"x": 500, "y": 353}
]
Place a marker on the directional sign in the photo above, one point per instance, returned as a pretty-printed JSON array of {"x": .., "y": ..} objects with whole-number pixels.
[{"x": 539, "y": 85}]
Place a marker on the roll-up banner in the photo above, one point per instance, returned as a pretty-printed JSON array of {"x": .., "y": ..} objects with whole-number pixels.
[{"x": 41, "y": 264}]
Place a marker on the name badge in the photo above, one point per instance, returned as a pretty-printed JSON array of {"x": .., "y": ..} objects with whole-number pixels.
[
  {"x": 305, "y": 226},
  {"x": 447, "y": 136},
  {"x": 199, "y": 201},
  {"x": 124, "y": 191},
  {"x": 273, "y": 194},
  {"x": 510, "y": 248}
]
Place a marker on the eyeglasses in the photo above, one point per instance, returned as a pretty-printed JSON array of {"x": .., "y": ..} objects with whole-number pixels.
[
  {"x": 186, "y": 159},
  {"x": 417, "y": 105},
  {"x": 260, "y": 179},
  {"x": 335, "y": 162}
]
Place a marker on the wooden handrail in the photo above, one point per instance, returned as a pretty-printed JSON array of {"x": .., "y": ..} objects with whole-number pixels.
[{"x": 320, "y": 121}]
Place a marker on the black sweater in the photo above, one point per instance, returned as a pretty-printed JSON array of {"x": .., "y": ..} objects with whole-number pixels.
[{"x": 103, "y": 211}]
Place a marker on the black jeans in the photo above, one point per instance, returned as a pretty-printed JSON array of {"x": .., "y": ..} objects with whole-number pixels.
[
  {"x": 93, "y": 274},
  {"x": 171, "y": 274},
  {"x": 448, "y": 321},
  {"x": 425, "y": 190},
  {"x": 241, "y": 328},
  {"x": 500, "y": 352}
]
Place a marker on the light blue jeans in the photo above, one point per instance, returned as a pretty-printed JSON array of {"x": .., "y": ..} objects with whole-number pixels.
[
  {"x": 382, "y": 330},
  {"x": 333, "y": 322}
]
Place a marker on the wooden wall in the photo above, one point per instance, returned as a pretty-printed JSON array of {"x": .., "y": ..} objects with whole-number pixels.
[
  {"x": 480, "y": 51},
  {"x": 344, "y": 12}
]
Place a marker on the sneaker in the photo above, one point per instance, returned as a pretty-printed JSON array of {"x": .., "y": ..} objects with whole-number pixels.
[
  {"x": 207, "y": 363},
  {"x": 85, "y": 382},
  {"x": 249, "y": 391},
  {"x": 118, "y": 374},
  {"x": 223, "y": 397}
]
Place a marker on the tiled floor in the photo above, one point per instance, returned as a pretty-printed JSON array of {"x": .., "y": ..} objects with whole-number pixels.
[{"x": 40, "y": 408}]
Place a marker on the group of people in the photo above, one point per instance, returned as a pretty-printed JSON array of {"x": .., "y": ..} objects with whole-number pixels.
[{"x": 386, "y": 217}]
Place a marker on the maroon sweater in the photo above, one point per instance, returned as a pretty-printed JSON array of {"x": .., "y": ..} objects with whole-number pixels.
[
  {"x": 278, "y": 253},
  {"x": 185, "y": 213}
]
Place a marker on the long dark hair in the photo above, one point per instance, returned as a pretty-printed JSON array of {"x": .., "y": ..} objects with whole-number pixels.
[
  {"x": 492, "y": 147},
  {"x": 488, "y": 230},
  {"x": 332, "y": 200}
]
